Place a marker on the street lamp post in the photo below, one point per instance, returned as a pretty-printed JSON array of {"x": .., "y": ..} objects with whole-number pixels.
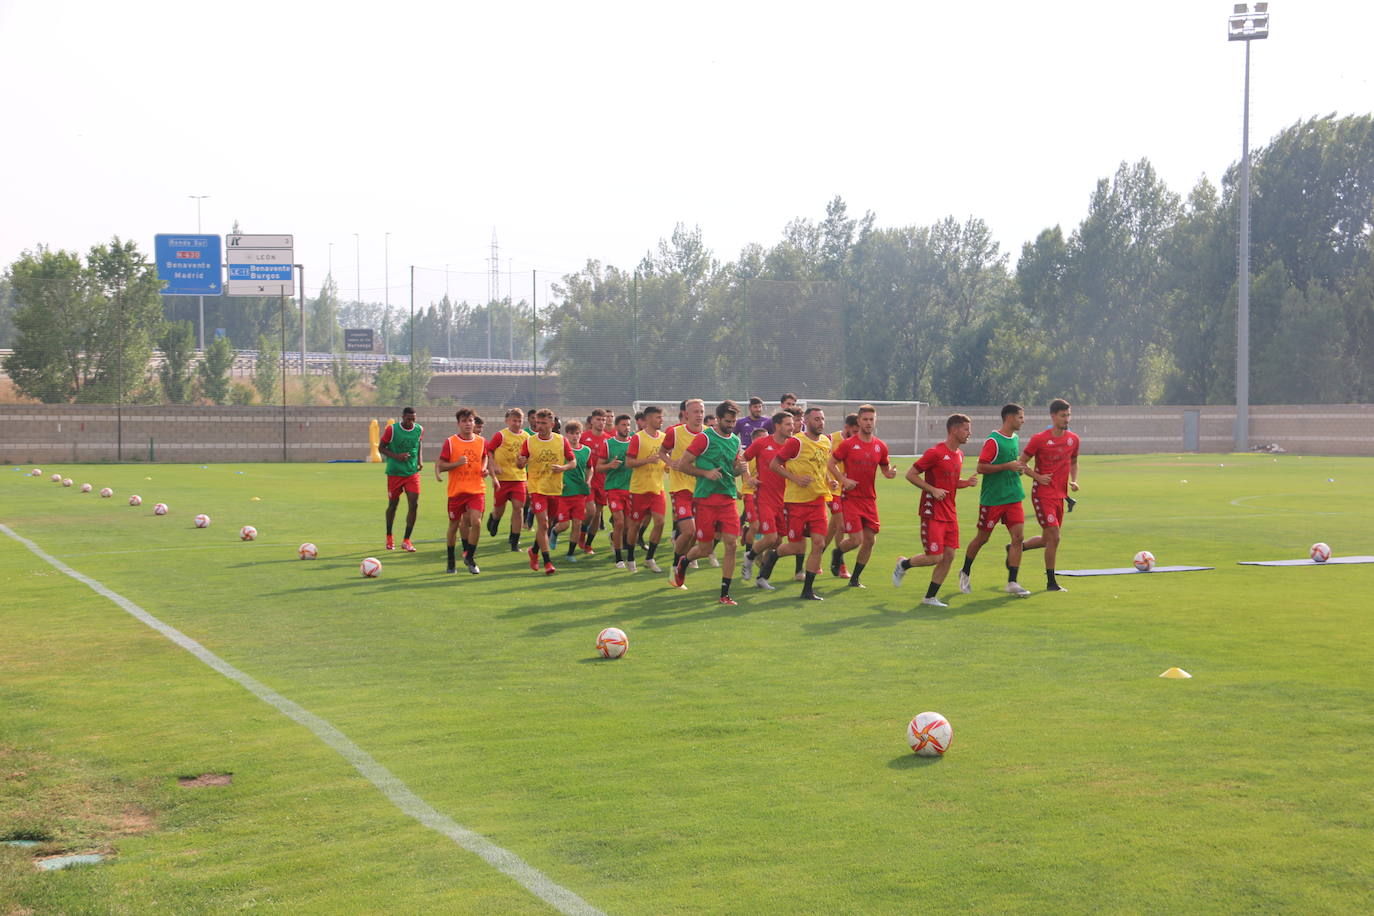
[
  {"x": 386, "y": 274},
  {"x": 1245, "y": 25},
  {"x": 198, "y": 198}
]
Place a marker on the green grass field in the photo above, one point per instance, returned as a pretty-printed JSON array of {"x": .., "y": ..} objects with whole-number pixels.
[{"x": 738, "y": 760}]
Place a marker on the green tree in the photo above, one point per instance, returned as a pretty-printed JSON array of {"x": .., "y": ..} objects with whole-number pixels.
[
  {"x": 394, "y": 385},
  {"x": 322, "y": 331},
  {"x": 82, "y": 332},
  {"x": 178, "y": 344},
  {"x": 267, "y": 366},
  {"x": 346, "y": 378},
  {"x": 213, "y": 371}
]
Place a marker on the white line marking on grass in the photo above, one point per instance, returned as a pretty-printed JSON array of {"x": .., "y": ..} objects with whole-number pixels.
[{"x": 400, "y": 795}]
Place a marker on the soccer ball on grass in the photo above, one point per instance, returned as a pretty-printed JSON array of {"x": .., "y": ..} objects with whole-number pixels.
[
  {"x": 106, "y": 492},
  {"x": 612, "y": 642},
  {"x": 371, "y": 568},
  {"x": 929, "y": 734},
  {"x": 307, "y": 551},
  {"x": 159, "y": 508},
  {"x": 202, "y": 521},
  {"x": 247, "y": 533},
  {"x": 135, "y": 500},
  {"x": 1143, "y": 561},
  {"x": 1320, "y": 552}
]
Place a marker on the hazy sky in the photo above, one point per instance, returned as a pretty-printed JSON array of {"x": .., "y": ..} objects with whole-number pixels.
[{"x": 587, "y": 130}]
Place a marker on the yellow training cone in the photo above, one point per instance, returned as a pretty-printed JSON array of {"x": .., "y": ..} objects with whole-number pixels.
[
  {"x": 1177, "y": 673},
  {"x": 256, "y": 499},
  {"x": 374, "y": 438}
]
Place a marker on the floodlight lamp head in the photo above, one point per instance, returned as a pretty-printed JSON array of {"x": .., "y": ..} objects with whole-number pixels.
[{"x": 1244, "y": 25}]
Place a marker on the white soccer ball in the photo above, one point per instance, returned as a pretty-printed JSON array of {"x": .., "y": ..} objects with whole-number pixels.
[
  {"x": 85, "y": 488},
  {"x": 202, "y": 521},
  {"x": 159, "y": 508},
  {"x": 1143, "y": 561},
  {"x": 36, "y": 472},
  {"x": 135, "y": 500},
  {"x": 612, "y": 642},
  {"x": 56, "y": 478},
  {"x": 371, "y": 567},
  {"x": 1320, "y": 552},
  {"x": 307, "y": 551},
  {"x": 929, "y": 734},
  {"x": 247, "y": 533},
  {"x": 66, "y": 481},
  {"x": 106, "y": 492}
]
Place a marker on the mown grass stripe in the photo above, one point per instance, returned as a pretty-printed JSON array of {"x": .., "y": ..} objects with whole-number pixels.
[{"x": 399, "y": 794}]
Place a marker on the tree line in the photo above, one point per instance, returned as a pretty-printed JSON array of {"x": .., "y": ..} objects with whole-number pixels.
[{"x": 1136, "y": 304}]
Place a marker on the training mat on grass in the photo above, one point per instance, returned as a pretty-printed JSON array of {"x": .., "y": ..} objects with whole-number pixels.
[
  {"x": 1127, "y": 571},
  {"x": 1305, "y": 562}
]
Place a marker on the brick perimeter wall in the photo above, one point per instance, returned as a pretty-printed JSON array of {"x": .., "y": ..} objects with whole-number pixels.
[{"x": 46, "y": 433}]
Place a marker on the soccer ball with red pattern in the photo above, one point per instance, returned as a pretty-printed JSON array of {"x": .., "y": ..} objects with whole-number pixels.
[
  {"x": 202, "y": 521},
  {"x": 85, "y": 488},
  {"x": 307, "y": 551},
  {"x": 371, "y": 568},
  {"x": 159, "y": 508},
  {"x": 929, "y": 734},
  {"x": 247, "y": 533},
  {"x": 135, "y": 500},
  {"x": 106, "y": 492},
  {"x": 612, "y": 642},
  {"x": 1320, "y": 552},
  {"x": 1143, "y": 561}
]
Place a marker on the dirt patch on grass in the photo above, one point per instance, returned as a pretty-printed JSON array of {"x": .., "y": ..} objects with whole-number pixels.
[
  {"x": 206, "y": 779},
  {"x": 68, "y": 804}
]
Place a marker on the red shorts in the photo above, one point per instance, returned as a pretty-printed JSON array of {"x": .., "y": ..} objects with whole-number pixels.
[
  {"x": 544, "y": 502},
  {"x": 643, "y": 504},
  {"x": 937, "y": 537},
  {"x": 713, "y": 518},
  {"x": 800, "y": 516},
  {"x": 466, "y": 502},
  {"x": 618, "y": 500},
  {"x": 395, "y": 485},
  {"x": 836, "y": 505},
  {"x": 572, "y": 507},
  {"x": 1008, "y": 514},
  {"x": 860, "y": 514},
  {"x": 751, "y": 508},
  {"x": 772, "y": 517},
  {"x": 509, "y": 491},
  {"x": 1049, "y": 510},
  {"x": 682, "y": 503},
  {"x": 599, "y": 494}
]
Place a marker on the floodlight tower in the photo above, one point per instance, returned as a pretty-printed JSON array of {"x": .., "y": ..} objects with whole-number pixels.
[{"x": 1245, "y": 25}]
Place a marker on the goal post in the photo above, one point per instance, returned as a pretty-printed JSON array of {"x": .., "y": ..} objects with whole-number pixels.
[{"x": 899, "y": 422}]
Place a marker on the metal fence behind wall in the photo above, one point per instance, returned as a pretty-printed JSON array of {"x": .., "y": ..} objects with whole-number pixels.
[{"x": 89, "y": 433}]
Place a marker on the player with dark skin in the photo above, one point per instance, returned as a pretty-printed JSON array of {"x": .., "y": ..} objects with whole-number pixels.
[{"x": 412, "y": 499}]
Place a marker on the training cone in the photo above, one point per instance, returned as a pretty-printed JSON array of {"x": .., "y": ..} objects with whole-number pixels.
[{"x": 1176, "y": 674}]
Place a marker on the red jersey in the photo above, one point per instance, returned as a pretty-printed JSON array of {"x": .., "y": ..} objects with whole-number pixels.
[
  {"x": 595, "y": 441},
  {"x": 861, "y": 462},
  {"x": 1054, "y": 454},
  {"x": 942, "y": 468},
  {"x": 762, "y": 452}
]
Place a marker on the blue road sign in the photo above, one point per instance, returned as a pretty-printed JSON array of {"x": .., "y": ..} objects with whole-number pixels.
[
  {"x": 190, "y": 265},
  {"x": 260, "y": 273}
]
